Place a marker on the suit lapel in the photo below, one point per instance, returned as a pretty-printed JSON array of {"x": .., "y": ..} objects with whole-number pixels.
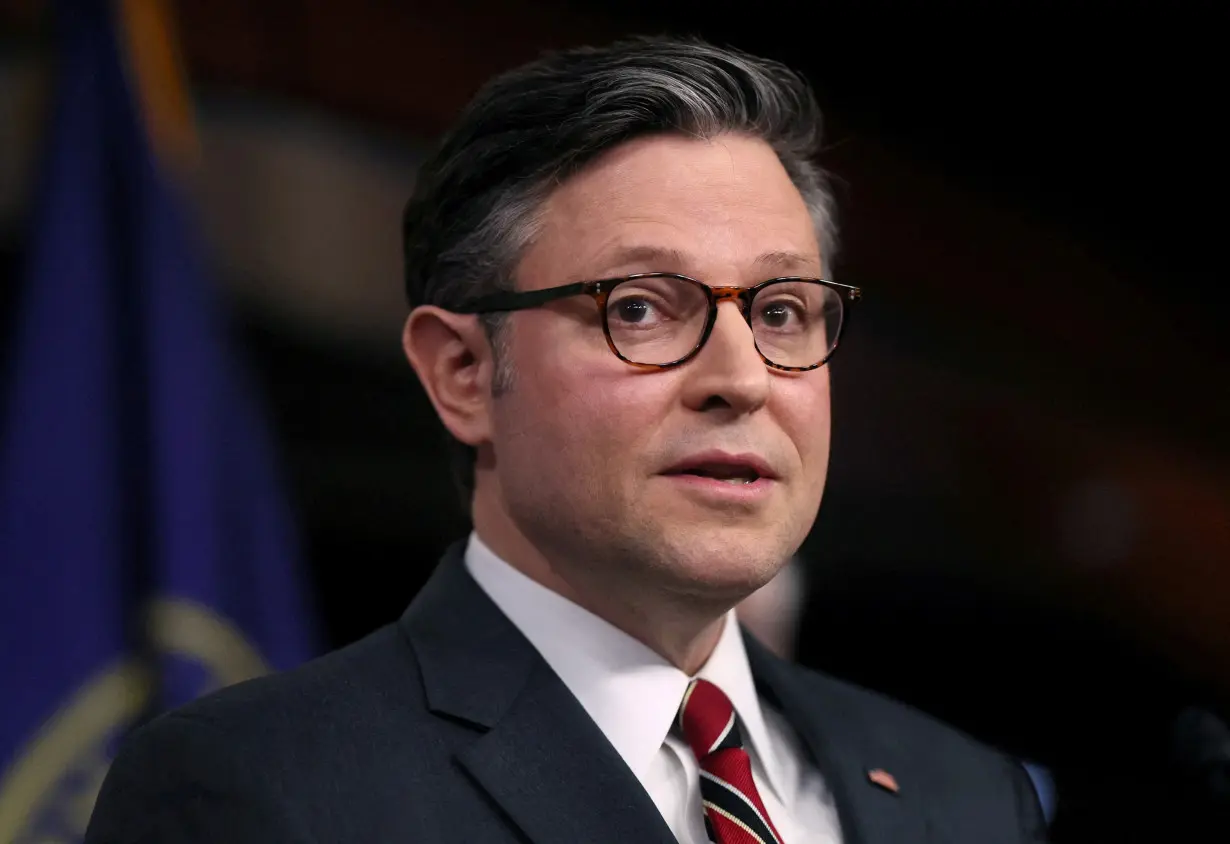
[
  {"x": 557, "y": 776},
  {"x": 539, "y": 754},
  {"x": 845, "y": 752}
]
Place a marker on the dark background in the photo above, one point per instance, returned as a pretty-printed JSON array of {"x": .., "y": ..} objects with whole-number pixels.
[{"x": 1028, "y": 513}]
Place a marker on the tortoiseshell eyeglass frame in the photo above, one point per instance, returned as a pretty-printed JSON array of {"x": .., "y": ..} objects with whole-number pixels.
[{"x": 600, "y": 291}]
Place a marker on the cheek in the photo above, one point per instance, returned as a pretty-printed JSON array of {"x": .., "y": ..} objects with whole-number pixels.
[
  {"x": 580, "y": 382},
  {"x": 805, "y": 414},
  {"x": 584, "y": 424}
]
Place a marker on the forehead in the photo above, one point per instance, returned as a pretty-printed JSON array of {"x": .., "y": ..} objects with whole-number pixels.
[{"x": 721, "y": 208}]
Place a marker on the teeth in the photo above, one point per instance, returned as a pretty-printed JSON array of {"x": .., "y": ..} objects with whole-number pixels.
[{"x": 725, "y": 476}]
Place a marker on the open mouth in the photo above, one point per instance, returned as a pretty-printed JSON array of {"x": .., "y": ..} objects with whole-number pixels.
[
  {"x": 726, "y": 474},
  {"x": 734, "y": 470}
]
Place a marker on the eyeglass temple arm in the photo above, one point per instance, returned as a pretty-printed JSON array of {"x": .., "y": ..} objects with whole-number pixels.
[
  {"x": 519, "y": 300},
  {"x": 852, "y": 293}
]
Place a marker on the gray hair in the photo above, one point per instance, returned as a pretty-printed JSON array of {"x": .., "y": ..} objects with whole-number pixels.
[{"x": 476, "y": 201}]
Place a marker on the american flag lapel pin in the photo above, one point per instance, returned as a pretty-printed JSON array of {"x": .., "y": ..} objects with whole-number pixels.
[{"x": 885, "y": 780}]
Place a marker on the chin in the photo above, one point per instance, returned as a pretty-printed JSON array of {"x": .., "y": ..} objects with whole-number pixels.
[{"x": 722, "y": 565}]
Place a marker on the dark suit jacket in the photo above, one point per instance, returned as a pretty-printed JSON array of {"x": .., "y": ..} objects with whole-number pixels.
[{"x": 449, "y": 727}]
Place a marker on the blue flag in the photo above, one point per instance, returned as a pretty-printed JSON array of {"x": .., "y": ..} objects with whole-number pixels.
[{"x": 147, "y": 554}]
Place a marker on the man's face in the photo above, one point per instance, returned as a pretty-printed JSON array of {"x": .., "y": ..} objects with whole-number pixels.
[{"x": 586, "y": 446}]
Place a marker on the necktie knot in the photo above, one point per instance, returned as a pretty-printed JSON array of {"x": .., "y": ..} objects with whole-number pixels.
[{"x": 707, "y": 720}]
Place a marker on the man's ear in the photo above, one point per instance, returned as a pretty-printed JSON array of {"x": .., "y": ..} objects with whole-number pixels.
[{"x": 452, "y": 357}]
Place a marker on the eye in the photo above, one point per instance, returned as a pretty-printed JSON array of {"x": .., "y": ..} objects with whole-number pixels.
[
  {"x": 655, "y": 305},
  {"x": 633, "y": 309},
  {"x": 648, "y": 303},
  {"x": 781, "y": 313}
]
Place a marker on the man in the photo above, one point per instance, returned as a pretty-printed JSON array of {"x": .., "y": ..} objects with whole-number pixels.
[{"x": 616, "y": 265}]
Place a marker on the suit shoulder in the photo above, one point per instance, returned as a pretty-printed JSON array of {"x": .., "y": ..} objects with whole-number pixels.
[
  {"x": 973, "y": 786},
  {"x": 185, "y": 779},
  {"x": 340, "y": 691},
  {"x": 893, "y": 721},
  {"x": 273, "y": 755}
]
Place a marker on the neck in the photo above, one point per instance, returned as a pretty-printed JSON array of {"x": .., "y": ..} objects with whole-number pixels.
[{"x": 677, "y": 627}]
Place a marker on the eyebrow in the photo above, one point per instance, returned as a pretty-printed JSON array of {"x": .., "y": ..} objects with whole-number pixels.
[
  {"x": 666, "y": 258},
  {"x": 783, "y": 260}
]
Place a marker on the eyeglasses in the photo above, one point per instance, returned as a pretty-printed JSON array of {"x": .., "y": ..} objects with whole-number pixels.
[{"x": 660, "y": 320}]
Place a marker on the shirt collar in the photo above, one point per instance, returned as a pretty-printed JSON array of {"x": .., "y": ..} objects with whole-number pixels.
[{"x": 630, "y": 692}]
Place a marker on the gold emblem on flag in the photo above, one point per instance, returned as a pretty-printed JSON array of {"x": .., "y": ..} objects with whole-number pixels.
[{"x": 48, "y": 792}]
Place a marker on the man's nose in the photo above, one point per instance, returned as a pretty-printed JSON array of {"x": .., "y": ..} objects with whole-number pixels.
[{"x": 728, "y": 371}]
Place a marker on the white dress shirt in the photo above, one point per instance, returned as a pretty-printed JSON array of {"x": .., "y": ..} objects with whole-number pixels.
[{"x": 633, "y": 695}]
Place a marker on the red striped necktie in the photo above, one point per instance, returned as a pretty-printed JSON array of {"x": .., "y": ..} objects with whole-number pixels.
[{"x": 734, "y": 812}]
